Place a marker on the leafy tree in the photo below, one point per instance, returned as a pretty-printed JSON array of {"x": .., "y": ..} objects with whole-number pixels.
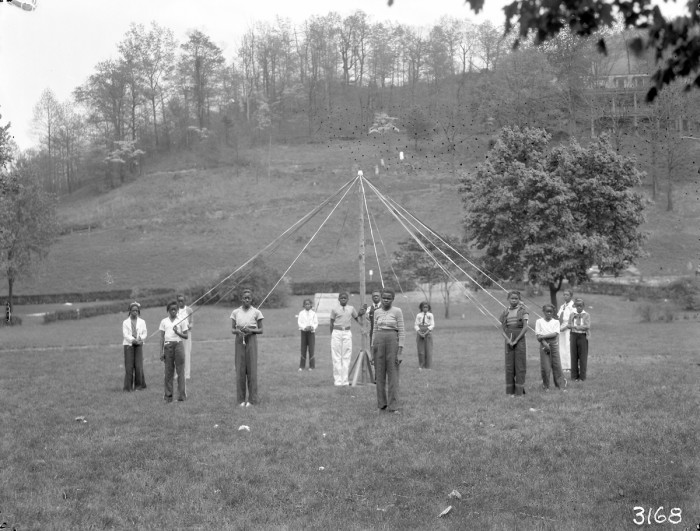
[
  {"x": 551, "y": 215},
  {"x": 200, "y": 66},
  {"x": 258, "y": 276},
  {"x": 520, "y": 91},
  {"x": 667, "y": 146},
  {"x": 28, "y": 221},
  {"x": 5, "y": 153},
  {"x": 416, "y": 267},
  {"x": 570, "y": 59},
  {"x": 105, "y": 96},
  {"x": 152, "y": 54},
  {"x": 417, "y": 126},
  {"x": 124, "y": 160}
]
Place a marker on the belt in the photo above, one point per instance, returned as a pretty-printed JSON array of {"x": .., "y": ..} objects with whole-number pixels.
[
  {"x": 171, "y": 342},
  {"x": 335, "y": 327},
  {"x": 388, "y": 330}
]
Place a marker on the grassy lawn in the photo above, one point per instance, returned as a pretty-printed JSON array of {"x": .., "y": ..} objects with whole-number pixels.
[{"x": 320, "y": 457}]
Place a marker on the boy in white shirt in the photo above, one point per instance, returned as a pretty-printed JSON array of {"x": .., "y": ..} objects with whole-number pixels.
[
  {"x": 308, "y": 323},
  {"x": 172, "y": 352},
  {"x": 547, "y": 331}
]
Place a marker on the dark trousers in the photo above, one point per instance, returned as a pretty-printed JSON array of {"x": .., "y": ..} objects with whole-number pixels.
[
  {"x": 550, "y": 363},
  {"x": 133, "y": 368},
  {"x": 424, "y": 345},
  {"x": 174, "y": 359},
  {"x": 246, "y": 359},
  {"x": 579, "y": 355},
  {"x": 516, "y": 364},
  {"x": 308, "y": 342},
  {"x": 385, "y": 348}
]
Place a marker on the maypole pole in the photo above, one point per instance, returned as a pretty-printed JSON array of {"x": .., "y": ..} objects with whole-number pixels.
[
  {"x": 363, "y": 354},
  {"x": 361, "y": 259}
]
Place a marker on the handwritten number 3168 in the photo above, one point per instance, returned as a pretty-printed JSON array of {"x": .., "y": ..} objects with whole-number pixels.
[{"x": 674, "y": 517}]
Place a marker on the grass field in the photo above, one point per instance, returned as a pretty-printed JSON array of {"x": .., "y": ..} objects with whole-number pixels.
[{"x": 320, "y": 457}]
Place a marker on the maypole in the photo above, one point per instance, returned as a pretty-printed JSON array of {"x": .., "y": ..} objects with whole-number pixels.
[
  {"x": 364, "y": 365},
  {"x": 361, "y": 259}
]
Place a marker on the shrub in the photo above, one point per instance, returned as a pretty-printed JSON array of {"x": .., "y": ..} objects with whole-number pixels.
[
  {"x": 257, "y": 276},
  {"x": 686, "y": 293},
  {"x": 668, "y": 314},
  {"x": 646, "y": 312},
  {"x": 14, "y": 321}
]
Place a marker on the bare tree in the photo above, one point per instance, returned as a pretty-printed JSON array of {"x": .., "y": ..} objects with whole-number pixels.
[
  {"x": 46, "y": 117},
  {"x": 200, "y": 63}
]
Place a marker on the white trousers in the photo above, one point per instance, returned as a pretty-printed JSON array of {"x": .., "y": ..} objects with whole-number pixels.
[
  {"x": 187, "y": 343},
  {"x": 341, "y": 353},
  {"x": 565, "y": 350}
]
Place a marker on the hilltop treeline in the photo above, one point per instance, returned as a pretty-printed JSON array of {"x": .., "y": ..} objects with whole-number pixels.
[{"x": 334, "y": 77}]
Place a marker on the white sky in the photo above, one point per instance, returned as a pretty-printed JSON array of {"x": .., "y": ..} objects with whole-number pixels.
[{"x": 58, "y": 45}]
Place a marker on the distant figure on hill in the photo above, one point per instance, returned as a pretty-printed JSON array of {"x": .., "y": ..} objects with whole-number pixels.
[
  {"x": 246, "y": 325},
  {"x": 308, "y": 323},
  {"x": 185, "y": 313},
  {"x": 134, "y": 333},
  {"x": 564, "y": 334},
  {"x": 580, "y": 325},
  {"x": 387, "y": 347},
  {"x": 341, "y": 337},
  {"x": 514, "y": 326},
  {"x": 172, "y": 333},
  {"x": 424, "y": 325}
]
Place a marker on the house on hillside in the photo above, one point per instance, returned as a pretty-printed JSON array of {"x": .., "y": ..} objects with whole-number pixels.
[{"x": 617, "y": 87}]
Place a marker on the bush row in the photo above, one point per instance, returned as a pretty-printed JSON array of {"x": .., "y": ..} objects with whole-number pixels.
[
  {"x": 223, "y": 293},
  {"x": 685, "y": 292},
  {"x": 89, "y": 296},
  {"x": 104, "y": 309},
  {"x": 260, "y": 278},
  {"x": 331, "y": 286}
]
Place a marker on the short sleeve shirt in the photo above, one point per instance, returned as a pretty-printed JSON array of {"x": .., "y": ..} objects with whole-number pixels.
[
  {"x": 544, "y": 327},
  {"x": 343, "y": 315},
  {"x": 246, "y": 318},
  {"x": 166, "y": 325}
]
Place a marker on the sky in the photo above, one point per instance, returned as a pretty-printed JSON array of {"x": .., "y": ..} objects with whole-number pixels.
[{"x": 58, "y": 45}]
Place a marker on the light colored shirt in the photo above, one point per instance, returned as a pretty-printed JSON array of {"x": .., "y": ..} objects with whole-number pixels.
[
  {"x": 127, "y": 332},
  {"x": 307, "y": 318},
  {"x": 424, "y": 319},
  {"x": 343, "y": 315},
  {"x": 246, "y": 318},
  {"x": 391, "y": 319},
  {"x": 580, "y": 323},
  {"x": 565, "y": 311},
  {"x": 185, "y": 313},
  {"x": 167, "y": 326},
  {"x": 545, "y": 328}
]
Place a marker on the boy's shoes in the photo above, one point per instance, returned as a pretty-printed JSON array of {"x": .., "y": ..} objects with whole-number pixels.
[{"x": 242, "y": 404}]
